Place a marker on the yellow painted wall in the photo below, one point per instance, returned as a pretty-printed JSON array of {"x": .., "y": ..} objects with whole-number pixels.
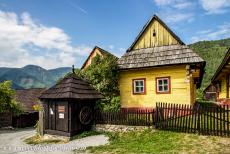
[
  {"x": 163, "y": 37},
  {"x": 223, "y": 91},
  {"x": 89, "y": 61},
  {"x": 180, "y": 86}
]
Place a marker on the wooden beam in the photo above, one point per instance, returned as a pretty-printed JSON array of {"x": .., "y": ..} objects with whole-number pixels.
[{"x": 227, "y": 86}]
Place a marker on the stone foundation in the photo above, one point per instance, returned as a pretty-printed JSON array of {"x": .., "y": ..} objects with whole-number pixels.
[{"x": 118, "y": 128}]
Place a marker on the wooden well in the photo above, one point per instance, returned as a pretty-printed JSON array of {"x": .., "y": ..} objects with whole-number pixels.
[{"x": 69, "y": 106}]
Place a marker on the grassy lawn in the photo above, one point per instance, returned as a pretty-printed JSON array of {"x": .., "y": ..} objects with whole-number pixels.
[{"x": 154, "y": 141}]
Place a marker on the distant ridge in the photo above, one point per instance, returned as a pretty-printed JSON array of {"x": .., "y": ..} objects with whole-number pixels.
[{"x": 32, "y": 76}]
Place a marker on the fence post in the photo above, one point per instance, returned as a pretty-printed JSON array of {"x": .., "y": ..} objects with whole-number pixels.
[
  {"x": 156, "y": 116},
  {"x": 198, "y": 119},
  {"x": 148, "y": 118}
]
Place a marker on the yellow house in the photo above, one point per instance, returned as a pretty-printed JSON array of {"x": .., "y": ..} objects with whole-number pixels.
[
  {"x": 221, "y": 78},
  {"x": 96, "y": 51},
  {"x": 158, "y": 67}
]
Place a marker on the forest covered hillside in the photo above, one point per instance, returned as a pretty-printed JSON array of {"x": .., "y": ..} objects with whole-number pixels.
[
  {"x": 213, "y": 53},
  {"x": 32, "y": 76}
]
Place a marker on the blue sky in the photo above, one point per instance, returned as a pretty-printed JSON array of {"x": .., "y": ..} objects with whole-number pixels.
[{"x": 56, "y": 33}]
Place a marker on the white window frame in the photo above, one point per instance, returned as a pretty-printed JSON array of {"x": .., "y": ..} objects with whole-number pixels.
[
  {"x": 163, "y": 85},
  {"x": 134, "y": 86}
]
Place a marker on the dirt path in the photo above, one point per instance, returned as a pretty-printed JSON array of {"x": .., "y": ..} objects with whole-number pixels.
[{"x": 11, "y": 142}]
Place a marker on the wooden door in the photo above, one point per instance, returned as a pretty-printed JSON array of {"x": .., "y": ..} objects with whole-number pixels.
[
  {"x": 62, "y": 116},
  {"x": 51, "y": 111}
]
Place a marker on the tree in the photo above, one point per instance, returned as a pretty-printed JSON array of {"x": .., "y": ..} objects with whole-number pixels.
[
  {"x": 103, "y": 75},
  {"x": 7, "y": 101}
]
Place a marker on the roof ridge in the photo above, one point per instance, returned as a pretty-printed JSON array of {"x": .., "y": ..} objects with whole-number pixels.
[{"x": 145, "y": 27}]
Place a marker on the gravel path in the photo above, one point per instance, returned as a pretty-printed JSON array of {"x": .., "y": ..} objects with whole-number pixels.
[{"x": 11, "y": 142}]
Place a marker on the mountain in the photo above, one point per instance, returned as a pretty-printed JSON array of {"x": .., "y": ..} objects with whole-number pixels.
[
  {"x": 32, "y": 76},
  {"x": 40, "y": 73},
  {"x": 213, "y": 53},
  {"x": 59, "y": 72}
]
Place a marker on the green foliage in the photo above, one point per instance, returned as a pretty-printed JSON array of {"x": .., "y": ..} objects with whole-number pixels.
[
  {"x": 213, "y": 53},
  {"x": 7, "y": 101},
  {"x": 85, "y": 134},
  {"x": 103, "y": 75},
  {"x": 206, "y": 103}
]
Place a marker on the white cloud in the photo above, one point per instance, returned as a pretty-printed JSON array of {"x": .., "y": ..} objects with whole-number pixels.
[
  {"x": 164, "y": 2},
  {"x": 177, "y": 17},
  {"x": 223, "y": 31},
  {"x": 23, "y": 41},
  {"x": 178, "y": 4},
  {"x": 183, "y": 5},
  {"x": 174, "y": 11},
  {"x": 215, "y": 6}
]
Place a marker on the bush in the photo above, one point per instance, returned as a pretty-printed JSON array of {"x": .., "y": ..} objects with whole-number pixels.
[
  {"x": 205, "y": 103},
  {"x": 7, "y": 101},
  {"x": 103, "y": 75}
]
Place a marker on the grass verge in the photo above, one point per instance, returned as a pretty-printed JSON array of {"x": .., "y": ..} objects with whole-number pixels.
[
  {"x": 85, "y": 134},
  {"x": 151, "y": 141}
]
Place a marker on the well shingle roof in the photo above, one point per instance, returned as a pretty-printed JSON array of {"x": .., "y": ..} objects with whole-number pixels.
[
  {"x": 28, "y": 98},
  {"x": 158, "y": 56},
  {"x": 71, "y": 87}
]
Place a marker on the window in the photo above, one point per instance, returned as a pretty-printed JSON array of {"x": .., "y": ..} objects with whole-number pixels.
[
  {"x": 163, "y": 85},
  {"x": 139, "y": 86}
]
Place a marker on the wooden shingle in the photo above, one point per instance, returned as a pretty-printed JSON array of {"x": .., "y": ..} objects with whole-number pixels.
[
  {"x": 158, "y": 56},
  {"x": 71, "y": 87}
]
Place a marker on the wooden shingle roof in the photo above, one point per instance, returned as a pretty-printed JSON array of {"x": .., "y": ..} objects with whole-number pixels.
[
  {"x": 158, "y": 56},
  {"x": 27, "y": 98},
  {"x": 223, "y": 66},
  {"x": 71, "y": 87}
]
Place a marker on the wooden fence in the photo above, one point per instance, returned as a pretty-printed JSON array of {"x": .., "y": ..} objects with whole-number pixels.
[
  {"x": 134, "y": 118},
  {"x": 207, "y": 120},
  {"x": 25, "y": 120},
  {"x": 5, "y": 119}
]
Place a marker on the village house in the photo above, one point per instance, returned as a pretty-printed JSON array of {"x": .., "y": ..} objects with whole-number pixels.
[
  {"x": 158, "y": 67},
  {"x": 220, "y": 80},
  {"x": 27, "y": 98},
  {"x": 96, "y": 51}
]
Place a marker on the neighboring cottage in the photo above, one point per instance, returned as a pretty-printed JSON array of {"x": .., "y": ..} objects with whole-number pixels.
[
  {"x": 27, "y": 99},
  {"x": 158, "y": 67},
  {"x": 96, "y": 51},
  {"x": 221, "y": 80}
]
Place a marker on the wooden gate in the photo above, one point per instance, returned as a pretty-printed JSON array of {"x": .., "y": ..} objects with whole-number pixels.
[{"x": 202, "y": 119}]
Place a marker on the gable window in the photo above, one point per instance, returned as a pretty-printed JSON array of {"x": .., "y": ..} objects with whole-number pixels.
[
  {"x": 163, "y": 85},
  {"x": 139, "y": 86}
]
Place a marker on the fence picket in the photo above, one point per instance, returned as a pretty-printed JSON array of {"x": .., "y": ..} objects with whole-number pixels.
[{"x": 208, "y": 120}]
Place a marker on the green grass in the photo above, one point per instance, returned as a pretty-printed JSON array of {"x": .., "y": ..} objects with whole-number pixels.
[
  {"x": 85, "y": 134},
  {"x": 151, "y": 141}
]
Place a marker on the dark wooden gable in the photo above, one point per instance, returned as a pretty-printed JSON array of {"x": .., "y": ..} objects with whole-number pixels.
[{"x": 71, "y": 87}]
